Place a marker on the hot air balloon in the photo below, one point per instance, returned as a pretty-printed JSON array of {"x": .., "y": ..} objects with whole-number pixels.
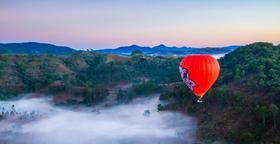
[{"x": 199, "y": 72}]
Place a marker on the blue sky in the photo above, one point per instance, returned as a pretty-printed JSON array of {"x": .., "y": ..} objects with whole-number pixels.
[{"x": 112, "y": 23}]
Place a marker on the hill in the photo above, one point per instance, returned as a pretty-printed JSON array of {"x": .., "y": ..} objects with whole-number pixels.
[
  {"x": 165, "y": 50},
  {"x": 34, "y": 48},
  {"x": 84, "y": 75},
  {"x": 243, "y": 106}
]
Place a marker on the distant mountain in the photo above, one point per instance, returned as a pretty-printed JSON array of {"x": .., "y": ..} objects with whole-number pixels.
[
  {"x": 45, "y": 48},
  {"x": 34, "y": 48},
  {"x": 165, "y": 50}
]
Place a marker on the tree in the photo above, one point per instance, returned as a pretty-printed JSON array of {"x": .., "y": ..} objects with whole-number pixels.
[
  {"x": 274, "y": 110},
  {"x": 137, "y": 53},
  {"x": 263, "y": 113}
]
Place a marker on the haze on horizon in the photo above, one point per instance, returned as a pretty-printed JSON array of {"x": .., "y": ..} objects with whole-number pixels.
[{"x": 113, "y": 23}]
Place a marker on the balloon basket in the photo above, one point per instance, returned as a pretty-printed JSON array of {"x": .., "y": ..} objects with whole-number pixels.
[{"x": 199, "y": 100}]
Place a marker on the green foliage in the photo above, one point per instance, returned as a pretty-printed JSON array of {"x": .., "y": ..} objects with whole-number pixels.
[
  {"x": 259, "y": 62},
  {"x": 246, "y": 138},
  {"x": 137, "y": 53},
  {"x": 274, "y": 111},
  {"x": 85, "y": 74},
  {"x": 263, "y": 113},
  {"x": 140, "y": 89},
  {"x": 94, "y": 95}
]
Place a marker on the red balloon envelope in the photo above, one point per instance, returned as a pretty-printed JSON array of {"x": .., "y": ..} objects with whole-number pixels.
[{"x": 199, "y": 72}]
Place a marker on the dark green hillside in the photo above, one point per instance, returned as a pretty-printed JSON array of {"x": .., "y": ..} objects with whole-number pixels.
[
  {"x": 243, "y": 106},
  {"x": 34, "y": 48},
  {"x": 86, "y": 75}
]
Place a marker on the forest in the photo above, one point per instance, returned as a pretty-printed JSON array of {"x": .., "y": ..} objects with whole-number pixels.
[
  {"x": 242, "y": 107},
  {"x": 86, "y": 75}
]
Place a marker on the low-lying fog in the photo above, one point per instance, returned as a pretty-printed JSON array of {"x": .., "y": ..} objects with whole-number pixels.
[
  {"x": 218, "y": 56},
  {"x": 40, "y": 122}
]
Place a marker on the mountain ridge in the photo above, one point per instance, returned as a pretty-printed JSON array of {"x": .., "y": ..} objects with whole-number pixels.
[
  {"x": 167, "y": 50},
  {"x": 47, "y": 48},
  {"x": 34, "y": 48}
]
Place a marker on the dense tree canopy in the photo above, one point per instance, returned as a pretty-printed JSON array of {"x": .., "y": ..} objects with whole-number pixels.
[{"x": 84, "y": 74}]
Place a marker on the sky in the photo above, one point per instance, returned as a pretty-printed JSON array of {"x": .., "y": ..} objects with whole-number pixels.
[{"x": 95, "y": 24}]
